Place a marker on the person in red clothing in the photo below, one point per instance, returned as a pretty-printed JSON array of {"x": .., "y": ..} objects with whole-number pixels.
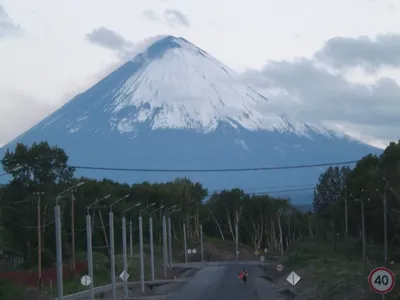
[{"x": 243, "y": 275}]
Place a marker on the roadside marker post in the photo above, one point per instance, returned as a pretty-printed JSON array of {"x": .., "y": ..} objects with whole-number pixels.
[
  {"x": 86, "y": 280},
  {"x": 293, "y": 278},
  {"x": 381, "y": 280}
]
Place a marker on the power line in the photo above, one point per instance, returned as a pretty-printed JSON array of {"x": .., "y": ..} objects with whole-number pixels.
[
  {"x": 14, "y": 202},
  {"x": 26, "y": 226},
  {"x": 285, "y": 191},
  {"x": 215, "y": 170}
]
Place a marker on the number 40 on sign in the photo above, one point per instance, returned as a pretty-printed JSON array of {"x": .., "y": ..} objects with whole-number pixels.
[{"x": 381, "y": 280}]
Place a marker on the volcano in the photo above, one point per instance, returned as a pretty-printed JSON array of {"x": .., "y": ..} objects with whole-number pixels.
[{"x": 174, "y": 106}]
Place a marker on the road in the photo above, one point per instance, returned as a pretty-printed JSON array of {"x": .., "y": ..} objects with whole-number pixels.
[{"x": 220, "y": 282}]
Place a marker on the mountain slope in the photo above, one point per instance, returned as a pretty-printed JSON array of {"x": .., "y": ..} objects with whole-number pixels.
[{"x": 175, "y": 106}]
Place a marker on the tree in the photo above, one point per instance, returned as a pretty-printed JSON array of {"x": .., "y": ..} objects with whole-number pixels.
[{"x": 38, "y": 164}]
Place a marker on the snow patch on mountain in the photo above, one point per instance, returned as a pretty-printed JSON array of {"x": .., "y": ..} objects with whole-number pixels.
[
  {"x": 172, "y": 84},
  {"x": 176, "y": 85}
]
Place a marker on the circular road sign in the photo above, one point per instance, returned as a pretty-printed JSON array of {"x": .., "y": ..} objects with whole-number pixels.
[
  {"x": 86, "y": 280},
  {"x": 279, "y": 268},
  {"x": 256, "y": 252},
  {"x": 262, "y": 258},
  {"x": 194, "y": 251},
  {"x": 265, "y": 250},
  {"x": 189, "y": 251},
  {"x": 381, "y": 280}
]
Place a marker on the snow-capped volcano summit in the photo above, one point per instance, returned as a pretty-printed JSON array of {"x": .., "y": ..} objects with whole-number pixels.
[
  {"x": 169, "y": 87},
  {"x": 174, "y": 106},
  {"x": 175, "y": 85}
]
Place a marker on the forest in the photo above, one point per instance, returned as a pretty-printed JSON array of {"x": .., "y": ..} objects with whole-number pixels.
[{"x": 348, "y": 202}]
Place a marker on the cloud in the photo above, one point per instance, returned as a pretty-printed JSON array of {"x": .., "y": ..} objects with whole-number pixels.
[
  {"x": 370, "y": 54},
  {"x": 175, "y": 17},
  {"x": 150, "y": 15},
  {"x": 316, "y": 90},
  {"x": 24, "y": 108},
  {"x": 109, "y": 39},
  {"x": 123, "y": 48},
  {"x": 7, "y": 25},
  {"x": 172, "y": 17}
]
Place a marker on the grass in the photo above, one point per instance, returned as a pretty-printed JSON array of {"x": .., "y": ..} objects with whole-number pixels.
[
  {"x": 10, "y": 291},
  {"x": 333, "y": 273}
]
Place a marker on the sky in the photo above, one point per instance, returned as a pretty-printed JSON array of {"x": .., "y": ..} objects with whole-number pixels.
[{"x": 331, "y": 62}]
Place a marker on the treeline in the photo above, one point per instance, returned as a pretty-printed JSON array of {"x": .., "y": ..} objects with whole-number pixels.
[
  {"x": 42, "y": 171},
  {"x": 263, "y": 221},
  {"x": 351, "y": 202}
]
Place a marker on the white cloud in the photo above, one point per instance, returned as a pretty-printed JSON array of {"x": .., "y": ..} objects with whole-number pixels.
[
  {"x": 317, "y": 89},
  {"x": 175, "y": 17}
]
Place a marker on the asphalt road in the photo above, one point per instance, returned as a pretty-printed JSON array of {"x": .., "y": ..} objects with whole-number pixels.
[{"x": 220, "y": 283}]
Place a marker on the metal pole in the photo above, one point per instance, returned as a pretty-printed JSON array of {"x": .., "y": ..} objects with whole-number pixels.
[
  {"x": 151, "y": 248},
  {"x": 165, "y": 249},
  {"x": 170, "y": 242},
  {"x": 124, "y": 256},
  {"x": 73, "y": 232},
  {"x": 185, "y": 242},
  {"x": 385, "y": 228},
  {"x": 346, "y": 215},
  {"x": 201, "y": 243},
  {"x": 112, "y": 255},
  {"x": 141, "y": 254},
  {"x": 130, "y": 239},
  {"x": 90, "y": 254},
  {"x": 237, "y": 241},
  {"x": 39, "y": 233},
  {"x": 59, "y": 252},
  {"x": 363, "y": 232}
]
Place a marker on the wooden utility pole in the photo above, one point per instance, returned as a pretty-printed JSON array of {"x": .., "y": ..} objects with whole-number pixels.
[
  {"x": 39, "y": 236},
  {"x": 73, "y": 233}
]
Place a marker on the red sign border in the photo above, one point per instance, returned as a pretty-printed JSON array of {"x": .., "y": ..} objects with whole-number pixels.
[{"x": 381, "y": 269}]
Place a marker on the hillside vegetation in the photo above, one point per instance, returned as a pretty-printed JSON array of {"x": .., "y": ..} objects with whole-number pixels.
[{"x": 341, "y": 197}]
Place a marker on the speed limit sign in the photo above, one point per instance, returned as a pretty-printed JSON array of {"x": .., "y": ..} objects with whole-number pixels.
[{"x": 381, "y": 280}]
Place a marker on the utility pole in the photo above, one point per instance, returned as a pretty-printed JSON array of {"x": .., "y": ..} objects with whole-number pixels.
[
  {"x": 363, "y": 233},
  {"x": 73, "y": 233},
  {"x": 185, "y": 242},
  {"x": 385, "y": 254},
  {"x": 89, "y": 253},
  {"x": 151, "y": 248},
  {"x": 385, "y": 225},
  {"x": 346, "y": 218},
  {"x": 124, "y": 255},
  {"x": 170, "y": 242},
  {"x": 130, "y": 238},
  {"x": 201, "y": 243},
  {"x": 57, "y": 218},
  {"x": 39, "y": 234},
  {"x": 142, "y": 287},
  {"x": 165, "y": 246},
  {"x": 237, "y": 240},
  {"x": 112, "y": 254}
]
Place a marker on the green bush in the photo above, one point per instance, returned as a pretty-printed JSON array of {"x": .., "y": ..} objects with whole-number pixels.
[{"x": 8, "y": 290}]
